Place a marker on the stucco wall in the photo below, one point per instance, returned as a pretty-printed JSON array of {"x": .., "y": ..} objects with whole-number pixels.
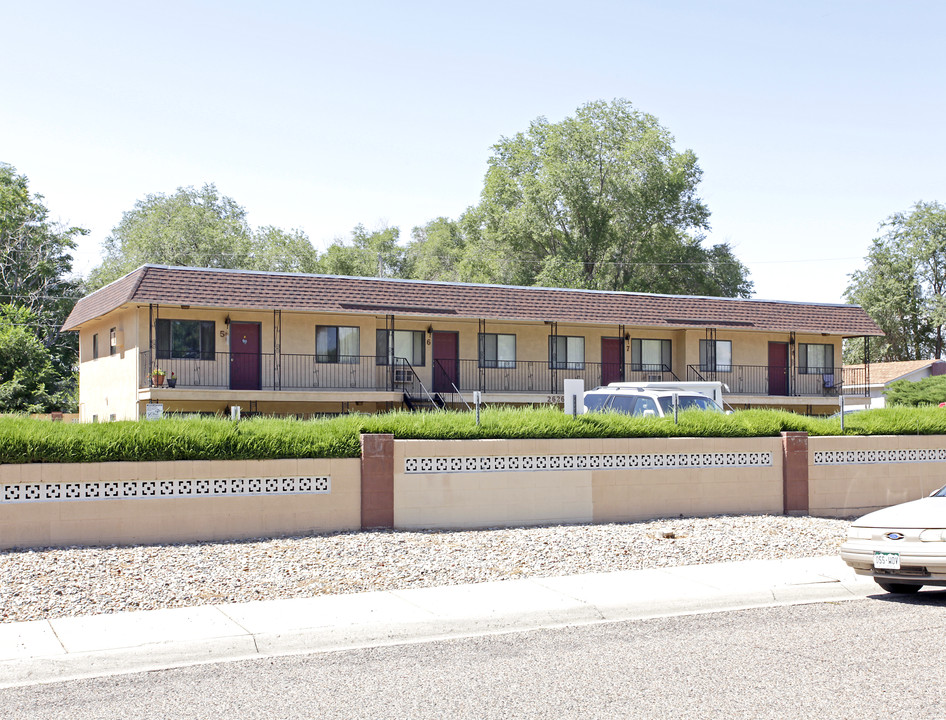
[
  {"x": 181, "y": 516},
  {"x": 455, "y": 484},
  {"x": 853, "y": 475},
  {"x": 108, "y": 385},
  {"x": 459, "y": 484}
]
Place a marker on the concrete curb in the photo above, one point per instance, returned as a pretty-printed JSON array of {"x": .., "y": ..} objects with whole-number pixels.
[{"x": 91, "y": 646}]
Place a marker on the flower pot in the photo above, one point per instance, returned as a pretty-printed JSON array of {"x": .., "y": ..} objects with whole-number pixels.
[
  {"x": 157, "y": 380},
  {"x": 172, "y": 382}
]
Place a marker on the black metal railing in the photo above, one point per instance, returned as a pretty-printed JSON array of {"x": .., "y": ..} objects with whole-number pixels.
[
  {"x": 258, "y": 371},
  {"x": 249, "y": 371},
  {"x": 535, "y": 376},
  {"x": 765, "y": 380}
]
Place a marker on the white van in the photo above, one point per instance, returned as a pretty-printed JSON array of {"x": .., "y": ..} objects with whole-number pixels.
[{"x": 654, "y": 399}]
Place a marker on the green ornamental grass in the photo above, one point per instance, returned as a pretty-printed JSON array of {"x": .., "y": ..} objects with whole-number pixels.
[{"x": 24, "y": 440}]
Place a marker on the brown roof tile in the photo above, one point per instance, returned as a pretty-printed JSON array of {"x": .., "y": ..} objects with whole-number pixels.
[
  {"x": 884, "y": 372},
  {"x": 326, "y": 293}
]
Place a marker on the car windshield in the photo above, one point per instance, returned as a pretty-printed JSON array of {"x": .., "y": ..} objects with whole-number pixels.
[
  {"x": 940, "y": 493},
  {"x": 686, "y": 402}
]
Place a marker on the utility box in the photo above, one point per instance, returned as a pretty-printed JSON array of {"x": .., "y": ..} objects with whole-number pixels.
[{"x": 574, "y": 397}]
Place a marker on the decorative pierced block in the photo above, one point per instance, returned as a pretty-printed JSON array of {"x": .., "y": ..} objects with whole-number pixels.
[
  {"x": 527, "y": 463},
  {"x": 110, "y": 490},
  {"x": 875, "y": 457}
]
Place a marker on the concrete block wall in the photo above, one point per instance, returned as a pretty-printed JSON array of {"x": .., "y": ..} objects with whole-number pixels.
[
  {"x": 425, "y": 484},
  {"x": 58, "y": 505},
  {"x": 465, "y": 484},
  {"x": 852, "y": 476}
]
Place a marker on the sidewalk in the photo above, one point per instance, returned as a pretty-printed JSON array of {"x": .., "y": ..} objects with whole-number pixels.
[{"x": 68, "y": 648}]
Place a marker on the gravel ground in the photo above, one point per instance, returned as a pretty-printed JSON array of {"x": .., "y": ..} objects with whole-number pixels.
[{"x": 47, "y": 583}]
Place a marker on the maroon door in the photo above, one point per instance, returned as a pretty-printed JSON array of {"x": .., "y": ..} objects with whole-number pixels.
[
  {"x": 445, "y": 354},
  {"x": 612, "y": 360},
  {"x": 244, "y": 356},
  {"x": 778, "y": 368}
]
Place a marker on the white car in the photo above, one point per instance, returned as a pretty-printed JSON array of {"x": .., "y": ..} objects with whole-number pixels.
[{"x": 903, "y": 547}]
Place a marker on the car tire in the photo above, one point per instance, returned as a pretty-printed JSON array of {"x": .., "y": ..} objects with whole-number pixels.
[{"x": 899, "y": 588}]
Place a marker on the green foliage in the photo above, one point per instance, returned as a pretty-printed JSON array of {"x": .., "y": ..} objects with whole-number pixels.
[
  {"x": 28, "y": 380},
  {"x": 35, "y": 268},
  {"x": 199, "y": 229},
  {"x": 602, "y": 201},
  {"x": 366, "y": 254},
  {"x": 928, "y": 391},
  {"x": 173, "y": 438},
  {"x": 275, "y": 250},
  {"x": 904, "y": 287},
  {"x": 436, "y": 252},
  {"x": 196, "y": 438},
  {"x": 191, "y": 228}
]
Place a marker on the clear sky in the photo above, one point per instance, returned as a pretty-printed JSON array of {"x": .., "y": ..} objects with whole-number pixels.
[{"x": 812, "y": 121}]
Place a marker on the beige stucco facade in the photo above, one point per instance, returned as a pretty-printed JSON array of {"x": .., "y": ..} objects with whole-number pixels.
[{"x": 116, "y": 385}]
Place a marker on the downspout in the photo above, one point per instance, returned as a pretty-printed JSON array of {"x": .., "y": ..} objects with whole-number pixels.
[
  {"x": 152, "y": 359},
  {"x": 481, "y": 354},
  {"x": 792, "y": 372},
  {"x": 866, "y": 366},
  {"x": 553, "y": 361}
]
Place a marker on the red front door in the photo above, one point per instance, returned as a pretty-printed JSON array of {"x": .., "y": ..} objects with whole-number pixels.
[
  {"x": 244, "y": 356},
  {"x": 612, "y": 360},
  {"x": 445, "y": 354},
  {"x": 778, "y": 368}
]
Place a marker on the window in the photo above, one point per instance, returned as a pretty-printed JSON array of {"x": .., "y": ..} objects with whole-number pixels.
[
  {"x": 716, "y": 355},
  {"x": 337, "y": 344},
  {"x": 595, "y": 401},
  {"x": 566, "y": 353},
  {"x": 192, "y": 339},
  {"x": 634, "y": 405},
  {"x": 653, "y": 355},
  {"x": 405, "y": 344},
  {"x": 815, "y": 359},
  {"x": 95, "y": 346},
  {"x": 687, "y": 402},
  {"x": 497, "y": 351},
  {"x": 112, "y": 342}
]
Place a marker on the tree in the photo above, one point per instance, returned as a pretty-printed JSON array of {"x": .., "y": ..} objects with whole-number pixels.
[
  {"x": 199, "y": 229},
  {"x": 190, "y": 228},
  {"x": 36, "y": 267},
  {"x": 928, "y": 391},
  {"x": 367, "y": 254},
  {"x": 436, "y": 251},
  {"x": 903, "y": 286},
  {"x": 601, "y": 200},
  {"x": 276, "y": 250},
  {"x": 28, "y": 380}
]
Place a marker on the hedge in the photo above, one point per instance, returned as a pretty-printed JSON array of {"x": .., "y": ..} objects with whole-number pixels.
[{"x": 23, "y": 440}]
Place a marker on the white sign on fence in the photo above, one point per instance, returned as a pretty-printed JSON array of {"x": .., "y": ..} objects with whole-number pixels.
[{"x": 154, "y": 411}]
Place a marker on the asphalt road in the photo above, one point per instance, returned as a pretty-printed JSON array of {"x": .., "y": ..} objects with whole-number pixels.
[{"x": 882, "y": 657}]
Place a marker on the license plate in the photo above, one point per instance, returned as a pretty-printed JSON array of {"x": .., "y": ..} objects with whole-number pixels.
[{"x": 887, "y": 560}]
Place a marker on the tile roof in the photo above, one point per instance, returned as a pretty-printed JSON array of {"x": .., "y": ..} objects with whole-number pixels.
[
  {"x": 248, "y": 290},
  {"x": 886, "y": 372}
]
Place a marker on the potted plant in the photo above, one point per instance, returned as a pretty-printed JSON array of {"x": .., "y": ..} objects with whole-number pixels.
[
  {"x": 172, "y": 379},
  {"x": 157, "y": 377}
]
